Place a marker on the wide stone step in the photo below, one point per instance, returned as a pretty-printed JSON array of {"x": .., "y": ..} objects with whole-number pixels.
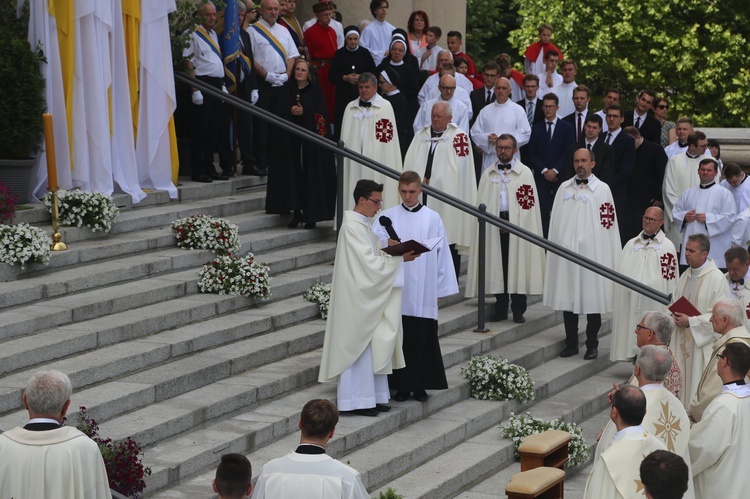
[{"x": 261, "y": 427}]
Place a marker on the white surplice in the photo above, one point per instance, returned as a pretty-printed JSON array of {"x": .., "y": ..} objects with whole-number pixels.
[
  {"x": 691, "y": 346},
  {"x": 461, "y": 114},
  {"x": 680, "y": 174},
  {"x": 430, "y": 89},
  {"x": 499, "y": 119},
  {"x": 718, "y": 205},
  {"x": 564, "y": 92},
  {"x": 741, "y": 229},
  {"x": 584, "y": 221},
  {"x": 371, "y": 132},
  {"x": 652, "y": 262},
  {"x": 376, "y": 38},
  {"x": 719, "y": 448},
  {"x": 741, "y": 193},
  {"x": 453, "y": 173}
]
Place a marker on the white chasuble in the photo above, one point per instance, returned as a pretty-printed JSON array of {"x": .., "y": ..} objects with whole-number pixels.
[
  {"x": 718, "y": 205},
  {"x": 742, "y": 293},
  {"x": 616, "y": 475},
  {"x": 453, "y": 173},
  {"x": 652, "y": 262},
  {"x": 584, "y": 221},
  {"x": 525, "y": 260},
  {"x": 499, "y": 119},
  {"x": 365, "y": 307},
  {"x": 680, "y": 174},
  {"x": 429, "y": 277},
  {"x": 691, "y": 346},
  {"x": 741, "y": 193},
  {"x": 719, "y": 448},
  {"x": 372, "y": 133}
]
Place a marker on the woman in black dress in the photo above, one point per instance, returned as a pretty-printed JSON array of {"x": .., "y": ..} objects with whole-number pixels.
[{"x": 302, "y": 176}]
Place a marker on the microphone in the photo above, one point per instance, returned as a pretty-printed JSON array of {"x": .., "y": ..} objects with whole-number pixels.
[{"x": 388, "y": 226}]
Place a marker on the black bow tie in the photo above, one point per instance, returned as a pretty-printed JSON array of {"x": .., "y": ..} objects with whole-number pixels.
[
  {"x": 504, "y": 168},
  {"x": 583, "y": 181},
  {"x": 433, "y": 133},
  {"x": 741, "y": 282},
  {"x": 707, "y": 186},
  {"x": 647, "y": 236},
  {"x": 365, "y": 104}
]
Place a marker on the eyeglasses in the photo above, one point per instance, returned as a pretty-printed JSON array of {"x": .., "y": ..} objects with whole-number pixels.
[
  {"x": 663, "y": 106},
  {"x": 720, "y": 356},
  {"x": 638, "y": 326},
  {"x": 614, "y": 116},
  {"x": 650, "y": 220},
  {"x": 504, "y": 148},
  {"x": 550, "y": 106},
  {"x": 377, "y": 202},
  {"x": 447, "y": 88},
  {"x": 490, "y": 75}
]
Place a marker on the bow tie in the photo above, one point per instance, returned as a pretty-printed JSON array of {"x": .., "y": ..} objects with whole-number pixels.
[
  {"x": 433, "y": 133},
  {"x": 741, "y": 282},
  {"x": 504, "y": 168},
  {"x": 707, "y": 186},
  {"x": 365, "y": 104},
  {"x": 647, "y": 236},
  {"x": 583, "y": 181}
]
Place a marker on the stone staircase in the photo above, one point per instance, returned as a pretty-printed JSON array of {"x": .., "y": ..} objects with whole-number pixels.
[{"x": 193, "y": 376}]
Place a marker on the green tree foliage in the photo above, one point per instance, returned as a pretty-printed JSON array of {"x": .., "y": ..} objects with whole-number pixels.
[
  {"x": 488, "y": 23},
  {"x": 694, "y": 52}
]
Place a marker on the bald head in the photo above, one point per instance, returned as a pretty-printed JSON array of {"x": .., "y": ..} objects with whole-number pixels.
[
  {"x": 653, "y": 219},
  {"x": 447, "y": 87},
  {"x": 502, "y": 90}
]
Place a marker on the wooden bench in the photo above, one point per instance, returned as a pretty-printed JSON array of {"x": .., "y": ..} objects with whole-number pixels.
[
  {"x": 539, "y": 483},
  {"x": 549, "y": 448}
]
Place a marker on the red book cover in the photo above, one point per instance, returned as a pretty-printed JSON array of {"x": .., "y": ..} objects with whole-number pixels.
[{"x": 683, "y": 306}]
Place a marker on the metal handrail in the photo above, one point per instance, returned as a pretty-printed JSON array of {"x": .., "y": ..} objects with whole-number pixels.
[{"x": 459, "y": 204}]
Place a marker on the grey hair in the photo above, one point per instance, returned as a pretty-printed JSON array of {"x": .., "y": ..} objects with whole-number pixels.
[
  {"x": 47, "y": 391},
  {"x": 241, "y": 5},
  {"x": 731, "y": 308},
  {"x": 661, "y": 324},
  {"x": 654, "y": 361},
  {"x": 448, "y": 107},
  {"x": 368, "y": 78}
]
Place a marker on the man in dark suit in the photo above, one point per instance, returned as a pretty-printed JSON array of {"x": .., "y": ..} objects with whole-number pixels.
[
  {"x": 577, "y": 119},
  {"x": 644, "y": 187},
  {"x": 592, "y": 141},
  {"x": 247, "y": 90},
  {"x": 547, "y": 150},
  {"x": 623, "y": 149},
  {"x": 640, "y": 117},
  {"x": 533, "y": 107},
  {"x": 480, "y": 98}
]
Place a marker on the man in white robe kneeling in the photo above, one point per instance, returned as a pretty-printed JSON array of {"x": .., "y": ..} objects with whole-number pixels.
[
  {"x": 363, "y": 338},
  {"x": 308, "y": 471},
  {"x": 426, "y": 281},
  {"x": 616, "y": 475}
]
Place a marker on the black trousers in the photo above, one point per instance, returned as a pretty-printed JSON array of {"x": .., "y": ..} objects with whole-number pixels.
[
  {"x": 517, "y": 301},
  {"x": 267, "y": 97},
  {"x": 593, "y": 324},
  {"x": 210, "y": 132},
  {"x": 245, "y": 130}
]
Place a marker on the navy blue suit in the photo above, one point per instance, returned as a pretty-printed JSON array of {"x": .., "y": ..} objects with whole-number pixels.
[
  {"x": 543, "y": 153},
  {"x": 623, "y": 153},
  {"x": 650, "y": 129}
]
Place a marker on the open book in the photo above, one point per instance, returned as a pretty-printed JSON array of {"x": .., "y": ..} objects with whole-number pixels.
[{"x": 412, "y": 245}]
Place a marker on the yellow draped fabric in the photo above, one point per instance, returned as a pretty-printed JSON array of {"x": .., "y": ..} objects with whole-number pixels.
[
  {"x": 63, "y": 11},
  {"x": 173, "y": 151},
  {"x": 131, "y": 20}
]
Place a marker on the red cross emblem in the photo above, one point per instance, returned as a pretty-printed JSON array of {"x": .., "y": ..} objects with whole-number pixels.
[
  {"x": 384, "y": 130},
  {"x": 668, "y": 266},
  {"x": 747, "y": 310},
  {"x": 525, "y": 197},
  {"x": 461, "y": 145},
  {"x": 607, "y": 215},
  {"x": 320, "y": 124}
]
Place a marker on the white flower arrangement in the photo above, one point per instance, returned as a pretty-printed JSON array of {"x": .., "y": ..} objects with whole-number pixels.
[
  {"x": 519, "y": 427},
  {"x": 206, "y": 232},
  {"x": 23, "y": 243},
  {"x": 84, "y": 209},
  {"x": 497, "y": 379},
  {"x": 235, "y": 275},
  {"x": 321, "y": 294}
]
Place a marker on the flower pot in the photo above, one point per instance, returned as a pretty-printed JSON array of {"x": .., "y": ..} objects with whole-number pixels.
[{"x": 16, "y": 175}]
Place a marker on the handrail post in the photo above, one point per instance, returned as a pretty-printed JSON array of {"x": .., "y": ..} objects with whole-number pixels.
[
  {"x": 339, "y": 186},
  {"x": 482, "y": 254}
]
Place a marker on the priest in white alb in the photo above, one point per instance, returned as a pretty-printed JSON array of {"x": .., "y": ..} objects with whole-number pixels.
[
  {"x": 735, "y": 181},
  {"x": 426, "y": 281},
  {"x": 584, "y": 221},
  {"x": 369, "y": 128},
  {"x": 651, "y": 259},
  {"x": 363, "y": 337},
  {"x": 719, "y": 449},
  {"x": 702, "y": 284},
  {"x": 461, "y": 114},
  {"x": 727, "y": 320},
  {"x": 707, "y": 209},
  {"x": 665, "y": 418},
  {"x": 514, "y": 267},
  {"x": 441, "y": 153},
  {"x": 737, "y": 260},
  {"x": 376, "y": 37},
  {"x": 497, "y": 118},
  {"x": 616, "y": 475}
]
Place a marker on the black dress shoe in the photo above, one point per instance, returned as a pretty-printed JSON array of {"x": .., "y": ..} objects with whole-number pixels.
[
  {"x": 519, "y": 319},
  {"x": 252, "y": 170},
  {"x": 569, "y": 352},
  {"x": 591, "y": 354},
  {"x": 310, "y": 225},
  {"x": 216, "y": 176},
  {"x": 370, "y": 413},
  {"x": 401, "y": 396},
  {"x": 421, "y": 396},
  {"x": 382, "y": 407},
  {"x": 498, "y": 318},
  {"x": 205, "y": 179}
]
